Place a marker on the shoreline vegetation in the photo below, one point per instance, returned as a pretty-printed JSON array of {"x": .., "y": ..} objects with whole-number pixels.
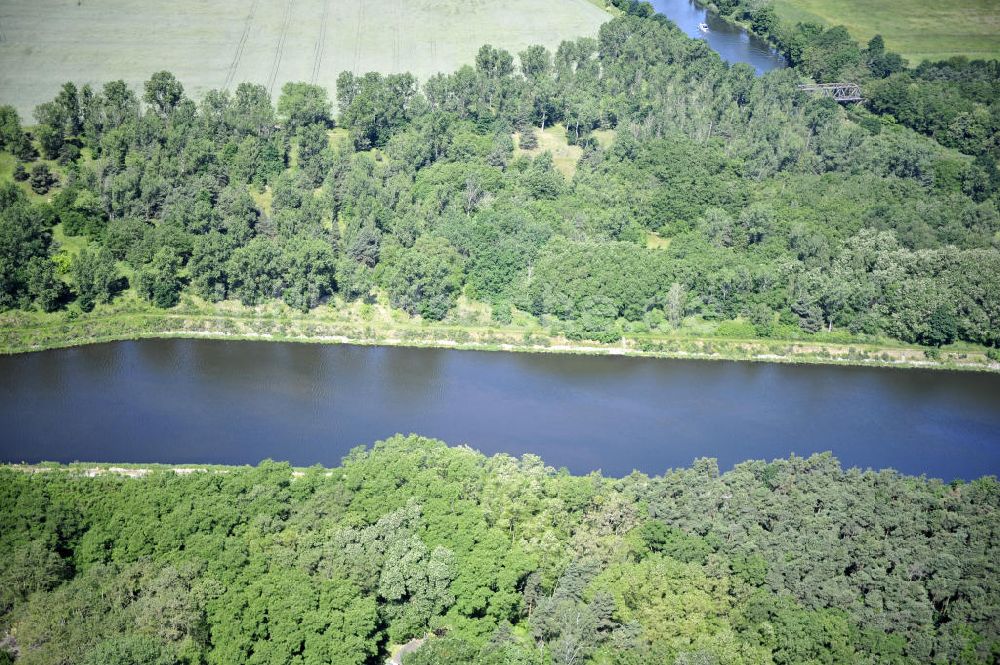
[{"x": 379, "y": 325}]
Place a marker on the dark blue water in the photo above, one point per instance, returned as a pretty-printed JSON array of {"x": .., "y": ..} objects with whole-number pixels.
[
  {"x": 201, "y": 401},
  {"x": 732, "y": 42}
]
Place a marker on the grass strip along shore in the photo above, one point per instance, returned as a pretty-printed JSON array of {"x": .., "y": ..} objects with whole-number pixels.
[{"x": 379, "y": 324}]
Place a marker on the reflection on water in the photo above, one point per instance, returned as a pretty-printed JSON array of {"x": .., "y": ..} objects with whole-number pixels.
[
  {"x": 202, "y": 401},
  {"x": 732, "y": 42}
]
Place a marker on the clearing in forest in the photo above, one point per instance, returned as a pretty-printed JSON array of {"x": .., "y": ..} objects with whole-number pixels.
[
  {"x": 916, "y": 29},
  {"x": 554, "y": 141},
  {"x": 220, "y": 43}
]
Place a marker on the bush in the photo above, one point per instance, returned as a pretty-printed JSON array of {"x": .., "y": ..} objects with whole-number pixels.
[
  {"x": 593, "y": 333},
  {"x": 42, "y": 179},
  {"x": 736, "y": 328},
  {"x": 501, "y": 314},
  {"x": 528, "y": 140},
  {"x": 68, "y": 153}
]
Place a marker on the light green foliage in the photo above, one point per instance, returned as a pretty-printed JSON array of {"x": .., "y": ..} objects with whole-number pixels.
[{"x": 498, "y": 560}]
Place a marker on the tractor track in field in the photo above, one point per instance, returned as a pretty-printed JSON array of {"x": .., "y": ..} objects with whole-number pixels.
[
  {"x": 280, "y": 50},
  {"x": 396, "y": 56},
  {"x": 320, "y": 43},
  {"x": 357, "y": 37},
  {"x": 241, "y": 45}
]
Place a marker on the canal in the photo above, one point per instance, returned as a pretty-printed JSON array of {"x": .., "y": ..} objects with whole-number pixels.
[{"x": 204, "y": 401}]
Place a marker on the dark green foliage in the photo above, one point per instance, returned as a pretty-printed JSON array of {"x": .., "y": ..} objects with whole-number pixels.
[
  {"x": 942, "y": 327},
  {"x": 207, "y": 266},
  {"x": 60, "y": 122},
  {"x": 41, "y": 179},
  {"x": 255, "y": 271},
  {"x": 25, "y": 239},
  {"x": 313, "y": 153},
  {"x": 499, "y": 561},
  {"x": 13, "y": 139},
  {"x": 123, "y": 236},
  {"x": 658, "y": 537},
  {"x": 80, "y": 210},
  {"x": 569, "y": 274},
  {"x": 955, "y": 100}
]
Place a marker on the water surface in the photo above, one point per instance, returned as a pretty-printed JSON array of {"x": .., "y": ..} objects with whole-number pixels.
[
  {"x": 732, "y": 42},
  {"x": 204, "y": 401}
]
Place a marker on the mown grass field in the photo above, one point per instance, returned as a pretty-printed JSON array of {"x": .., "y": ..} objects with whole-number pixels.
[
  {"x": 917, "y": 29},
  {"x": 219, "y": 43}
]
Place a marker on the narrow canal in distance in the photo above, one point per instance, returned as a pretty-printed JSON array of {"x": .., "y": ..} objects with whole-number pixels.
[{"x": 732, "y": 42}]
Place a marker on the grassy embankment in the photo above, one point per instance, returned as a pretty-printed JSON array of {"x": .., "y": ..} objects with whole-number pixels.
[
  {"x": 916, "y": 29},
  {"x": 468, "y": 327}
]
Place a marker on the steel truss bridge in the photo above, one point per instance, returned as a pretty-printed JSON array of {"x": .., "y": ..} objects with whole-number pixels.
[{"x": 841, "y": 92}]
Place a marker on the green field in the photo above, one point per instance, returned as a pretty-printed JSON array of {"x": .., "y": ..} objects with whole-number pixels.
[
  {"x": 220, "y": 43},
  {"x": 917, "y": 29}
]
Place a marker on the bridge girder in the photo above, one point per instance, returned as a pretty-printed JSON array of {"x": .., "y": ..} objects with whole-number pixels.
[{"x": 841, "y": 92}]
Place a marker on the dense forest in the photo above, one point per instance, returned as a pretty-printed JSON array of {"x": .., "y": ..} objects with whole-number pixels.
[
  {"x": 497, "y": 560},
  {"x": 774, "y": 212}
]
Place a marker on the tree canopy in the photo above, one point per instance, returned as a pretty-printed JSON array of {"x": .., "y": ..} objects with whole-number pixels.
[
  {"x": 787, "y": 212},
  {"x": 498, "y": 560}
]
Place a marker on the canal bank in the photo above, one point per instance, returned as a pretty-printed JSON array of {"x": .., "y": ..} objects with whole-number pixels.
[{"x": 378, "y": 325}]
